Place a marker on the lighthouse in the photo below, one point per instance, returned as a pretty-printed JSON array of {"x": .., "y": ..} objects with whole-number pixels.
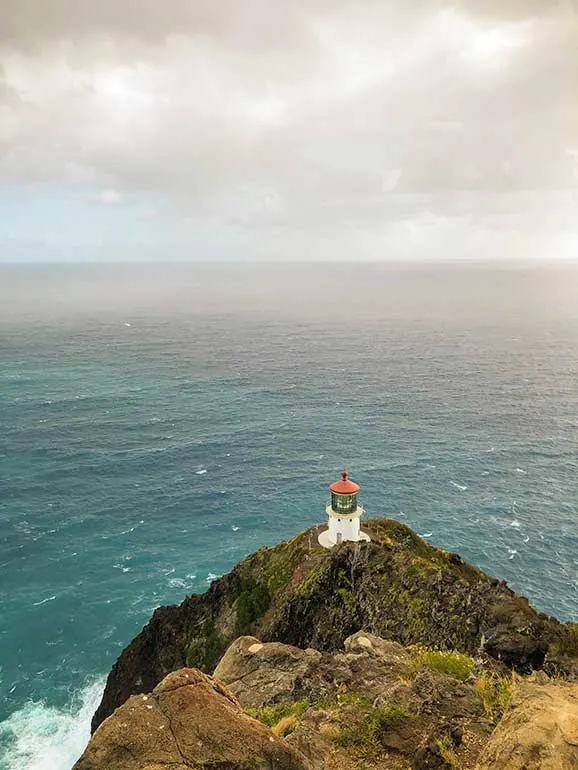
[{"x": 343, "y": 512}]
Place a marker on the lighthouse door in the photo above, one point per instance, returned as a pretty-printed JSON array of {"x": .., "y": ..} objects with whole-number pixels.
[{"x": 339, "y": 537}]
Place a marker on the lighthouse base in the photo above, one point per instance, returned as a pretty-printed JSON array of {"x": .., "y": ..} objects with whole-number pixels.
[{"x": 327, "y": 538}]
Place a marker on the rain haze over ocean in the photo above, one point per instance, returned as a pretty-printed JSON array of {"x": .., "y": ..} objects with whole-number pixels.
[{"x": 243, "y": 246}]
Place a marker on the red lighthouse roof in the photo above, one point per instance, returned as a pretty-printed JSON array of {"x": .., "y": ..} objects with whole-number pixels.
[{"x": 345, "y": 486}]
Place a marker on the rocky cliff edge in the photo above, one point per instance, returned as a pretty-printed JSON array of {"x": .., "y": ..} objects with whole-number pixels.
[
  {"x": 374, "y": 705},
  {"x": 397, "y": 587}
]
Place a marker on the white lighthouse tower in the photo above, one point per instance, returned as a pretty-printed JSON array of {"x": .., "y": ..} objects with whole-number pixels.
[{"x": 343, "y": 513}]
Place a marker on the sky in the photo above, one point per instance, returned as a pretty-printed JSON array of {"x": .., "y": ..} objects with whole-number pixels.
[{"x": 288, "y": 130}]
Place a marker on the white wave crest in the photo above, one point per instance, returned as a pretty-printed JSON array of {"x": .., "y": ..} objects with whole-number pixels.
[{"x": 41, "y": 737}]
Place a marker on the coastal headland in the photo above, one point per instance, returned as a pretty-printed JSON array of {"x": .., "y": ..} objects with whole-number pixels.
[{"x": 397, "y": 587}]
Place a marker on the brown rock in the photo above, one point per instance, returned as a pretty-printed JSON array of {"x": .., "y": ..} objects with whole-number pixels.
[
  {"x": 369, "y": 644},
  {"x": 430, "y": 757},
  {"x": 260, "y": 674},
  {"x": 443, "y": 696},
  {"x": 538, "y": 732},
  {"x": 189, "y": 720}
]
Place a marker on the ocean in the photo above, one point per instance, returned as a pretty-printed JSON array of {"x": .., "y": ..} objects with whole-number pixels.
[{"x": 159, "y": 422}]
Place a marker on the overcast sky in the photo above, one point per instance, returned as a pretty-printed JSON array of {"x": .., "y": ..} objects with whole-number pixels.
[{"x": 302, "y": 129}]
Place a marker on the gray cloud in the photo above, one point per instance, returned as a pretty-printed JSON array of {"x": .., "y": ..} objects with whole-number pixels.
[{"x": 380, "y": 126}]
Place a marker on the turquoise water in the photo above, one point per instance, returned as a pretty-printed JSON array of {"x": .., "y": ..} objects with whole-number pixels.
[{"x": 158, "y": 423}]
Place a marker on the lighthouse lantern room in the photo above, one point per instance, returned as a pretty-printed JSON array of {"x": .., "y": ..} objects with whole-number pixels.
[{"x": 343, "y": 513}]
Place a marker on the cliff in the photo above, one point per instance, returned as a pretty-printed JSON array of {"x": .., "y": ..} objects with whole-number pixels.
[
  {"x": 374, "y": 705},
  {"x": 397, "y": 587}
]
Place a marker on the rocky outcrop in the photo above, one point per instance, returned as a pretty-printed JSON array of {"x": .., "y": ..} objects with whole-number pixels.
[
  {"x": 189, "y": 720},
  {"x": 260, "y": 673},
  {"x": 374, "y": 702},
  {"x": 538, "y": 732},
  {"x": 397, "y": 587}
]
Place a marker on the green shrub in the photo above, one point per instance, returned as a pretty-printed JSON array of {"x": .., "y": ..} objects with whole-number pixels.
[
  {"x": 447, "y": 751},
  {"x": 252, "y": 603},
  {"x": 271, "y": 715},
  {"x": 348, "y": 597},
  {"x": 205, "y": 652},
  {"x": 495, "y": 692},
  {"x": 567, "y": 646},
  {"x": 455, "y": 664},
  {"x": 371, "y": 725}
]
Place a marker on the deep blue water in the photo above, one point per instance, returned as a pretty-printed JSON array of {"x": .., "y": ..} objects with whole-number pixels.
[{"x": 158, "y": 423}]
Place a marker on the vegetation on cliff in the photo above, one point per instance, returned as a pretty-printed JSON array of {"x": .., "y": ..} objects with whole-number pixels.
[{"x": 397, "y": 587}]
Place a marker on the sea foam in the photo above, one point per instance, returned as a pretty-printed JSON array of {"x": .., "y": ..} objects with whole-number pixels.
[{"x": 42, "y": 737}]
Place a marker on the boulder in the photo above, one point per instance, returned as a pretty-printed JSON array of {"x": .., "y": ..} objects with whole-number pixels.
[
  {"x": 259, "y": 674},
  {"x": 441, "y": 695},
  {"x": 538, "y": 732},
  {"x": 189, "y": 720},
  {"x": 362, "y": 642}
]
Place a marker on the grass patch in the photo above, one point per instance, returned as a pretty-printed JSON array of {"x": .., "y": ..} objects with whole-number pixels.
[
  {"x": 454, "y": 664},
  {"x": 277, "y": 565},
  {"x": 285, "y": 726},
  {"x": 371, "y": 725},
  {"x": 335, "y": 700},
  {"x": 272, "y": 715},
  {"x": 447, "y": 751},
  {"x": 495, "y": 692}
]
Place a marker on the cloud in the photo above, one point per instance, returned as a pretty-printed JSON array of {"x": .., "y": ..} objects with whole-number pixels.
[
  {"x": 111, "y": 197},
  {"x": 357, "y": 122}
]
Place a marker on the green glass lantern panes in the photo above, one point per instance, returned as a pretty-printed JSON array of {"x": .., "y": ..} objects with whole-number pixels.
[{"x": 343, "y": 503}]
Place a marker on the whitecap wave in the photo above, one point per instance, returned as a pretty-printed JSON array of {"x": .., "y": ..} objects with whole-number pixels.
[
  {"x": 43, "y": 601},
  {"x": 42, "y": 737},
  {"x": 210, "y": 577}
]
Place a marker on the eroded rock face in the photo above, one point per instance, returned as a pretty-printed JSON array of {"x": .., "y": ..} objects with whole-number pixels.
[
  {"x": 538, "y": 732},
  {"x": 189, "y": 720}
]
